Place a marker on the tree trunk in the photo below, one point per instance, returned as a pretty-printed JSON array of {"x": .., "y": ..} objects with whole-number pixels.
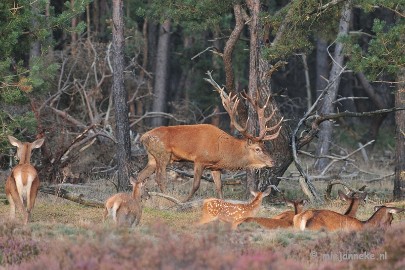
[
  {"x": 120, "y": 97},
  {"x": 326, "y": 128},
  {"x": 322, "y": 65},
  {"x": 35, "y": 50},
  {"x": 162, "y": 64},
  {"x": 254, "y": 8},
  {"x": 399, "y": 180}
]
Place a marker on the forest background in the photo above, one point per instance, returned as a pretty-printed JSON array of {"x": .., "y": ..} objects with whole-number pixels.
[
  {"x": 92, "y": 76},
  {"x": 57, "y": 79}
]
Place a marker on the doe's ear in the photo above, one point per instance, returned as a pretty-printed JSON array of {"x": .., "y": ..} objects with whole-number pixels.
[
  {"x": 132, "y": 180},
  {"x": 342, "y": 196},
  {"x": 15, "y": 142},
  {"x": 254, "y": 193},
  {"x": 395, "y": 210},
  {"x": 38, "y": 143}
]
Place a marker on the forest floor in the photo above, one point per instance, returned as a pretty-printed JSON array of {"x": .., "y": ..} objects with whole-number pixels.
[{"x": 67, "y": 235}]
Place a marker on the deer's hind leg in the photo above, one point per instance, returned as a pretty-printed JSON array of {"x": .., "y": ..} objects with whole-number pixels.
[
  {"x": 13, "y": 197},
  {"x": 148, "y": 170},
  {"x": 163, "y": 159}
]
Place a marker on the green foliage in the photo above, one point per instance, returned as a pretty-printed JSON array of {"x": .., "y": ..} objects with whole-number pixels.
[
  {"x": 25, "y": 25},
  {"x": 301, "y": 22},
  {"x": 190, "y": 14},
  {"x": 385, "y": 50}
]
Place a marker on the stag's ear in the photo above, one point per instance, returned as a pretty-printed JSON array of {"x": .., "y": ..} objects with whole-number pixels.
[
  {"x": 15, "y": 142},
  {"x": 38, "y": 143}
]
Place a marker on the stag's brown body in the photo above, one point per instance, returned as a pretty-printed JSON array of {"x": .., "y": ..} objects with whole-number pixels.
[
  {"x": 23, "y": 183},
  {"x": 207, "y": 146},
  {"x": 331, "y": 221}
]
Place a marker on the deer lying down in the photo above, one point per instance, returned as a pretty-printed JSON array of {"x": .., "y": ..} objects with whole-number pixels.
[
  {"x": 283, "y": 220},
  {"x": 23, "y": 183},
  {"x": 354, "y": 202},
  {"x": 125, "y": 209},
  {"x": 331, "y": 221},
  {"x": 233, "y": 213}
]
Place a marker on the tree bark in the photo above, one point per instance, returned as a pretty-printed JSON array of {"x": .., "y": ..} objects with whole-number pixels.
[
  {"x": 326, "y": 128},
  {"x": 399, "y": 180},
  {"x": 322, "y": 65},
  {"x": 162, "y": 64},
  {"x": 120, "y": 97},
  {"x": 254, "y": 8}
]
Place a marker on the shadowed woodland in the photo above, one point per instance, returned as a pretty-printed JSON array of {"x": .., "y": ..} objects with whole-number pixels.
[{"x": 310, "y": 95}]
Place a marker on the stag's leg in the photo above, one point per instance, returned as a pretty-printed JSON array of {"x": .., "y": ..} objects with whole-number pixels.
[
  {"x": 148, "y": 170},
  {"x": 216, "y": 175},
  {"x": 198, "y": 170},
  {"x": 161, "y": 177}
]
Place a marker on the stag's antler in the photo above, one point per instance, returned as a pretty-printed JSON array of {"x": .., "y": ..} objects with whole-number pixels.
[
  {"x": 263, "y": 134},
  {"x": 231, "y": 102}
]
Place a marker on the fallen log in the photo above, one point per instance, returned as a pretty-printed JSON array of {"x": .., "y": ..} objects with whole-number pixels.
[
  {"x": 180, "y": 206},
  {"x": 74, "y": 197}
]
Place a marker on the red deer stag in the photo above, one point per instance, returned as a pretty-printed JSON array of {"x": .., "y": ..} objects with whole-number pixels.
[
  {"x": 331, "y": 221},
  {"x": 209, "y": 147},
  {"x": 23, "y": 183},
  {"x": 233, "y": 213},
  {"x": 124, "y": 208}
]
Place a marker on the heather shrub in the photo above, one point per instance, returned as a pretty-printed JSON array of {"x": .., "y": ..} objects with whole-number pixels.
[
  {"x": 14, "y": 250},
  {"x": 391, "y": 252},
  {"x": 16, "y": 244},
  {"x": 162, "y": 248},
  {"x": 332, "y": 246}
]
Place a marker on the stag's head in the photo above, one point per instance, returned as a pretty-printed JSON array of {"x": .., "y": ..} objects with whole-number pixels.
[
  {"x": 260, "y": 155},
  {"x": 256, "y": 144}
]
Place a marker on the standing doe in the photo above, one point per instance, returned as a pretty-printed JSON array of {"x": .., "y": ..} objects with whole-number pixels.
[
  {"x": 209, "y": 147},
  {"x": 233, "y": 213},
  {"x": 23, "y": 183},
  {"x": 125, "y": 209}
]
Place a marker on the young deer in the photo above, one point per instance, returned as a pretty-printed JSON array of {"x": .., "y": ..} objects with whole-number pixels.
[
  {"x": 283, "y": 220},
  {"x": 22, "y": 184},
  {"x": 233, "y": 213},
  {"x": 330, "y": 220},
  {"x": 125, "y": 208}
]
